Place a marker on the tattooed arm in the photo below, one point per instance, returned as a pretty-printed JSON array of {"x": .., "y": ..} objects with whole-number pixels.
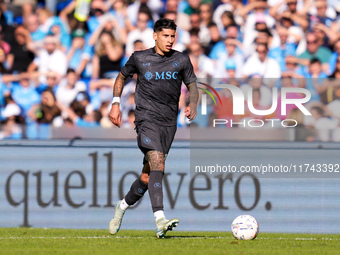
[
  {"x": 119, "y": 84},
  {"x": 191, "y": 110},
  {"x": 115, "y": 114}
]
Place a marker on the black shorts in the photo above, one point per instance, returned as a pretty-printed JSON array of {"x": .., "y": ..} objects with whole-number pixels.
[{"x": 151, "y": 136}]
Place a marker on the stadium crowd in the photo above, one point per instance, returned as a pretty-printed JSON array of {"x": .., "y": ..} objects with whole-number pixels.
[{"x": 58, "y": 61}]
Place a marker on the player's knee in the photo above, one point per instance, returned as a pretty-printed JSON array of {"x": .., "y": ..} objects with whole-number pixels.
[
  {"x": 146, "y": 168},
  {"x": 144, "y": 178}
]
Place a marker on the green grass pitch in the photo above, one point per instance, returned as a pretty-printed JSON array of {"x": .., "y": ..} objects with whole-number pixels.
[{"x": 70, "y": 241}]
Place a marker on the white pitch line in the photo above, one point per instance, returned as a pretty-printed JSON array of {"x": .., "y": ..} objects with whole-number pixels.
[
  {"x": 55, "y": 237},
  {"x": 170, "y": 237}
]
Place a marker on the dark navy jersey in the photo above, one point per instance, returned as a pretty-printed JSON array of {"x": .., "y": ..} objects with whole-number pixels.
[{"x": 159, "y": 80}]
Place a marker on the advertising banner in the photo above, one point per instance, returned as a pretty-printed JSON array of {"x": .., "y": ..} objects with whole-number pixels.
[{"x": 51, "y": 185}]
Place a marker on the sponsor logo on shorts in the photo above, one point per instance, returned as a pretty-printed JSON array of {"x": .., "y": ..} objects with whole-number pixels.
[
  {"x": 146, "y": 64},
  {"x": 147, "y": 140}
]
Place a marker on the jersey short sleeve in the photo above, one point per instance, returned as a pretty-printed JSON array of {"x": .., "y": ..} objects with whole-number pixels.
[
  {"x": 130, "y": 67},
  {"x": 188, "y": 72}
]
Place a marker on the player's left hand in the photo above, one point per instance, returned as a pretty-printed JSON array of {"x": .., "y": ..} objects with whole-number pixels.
[{"x": 191, "y": 112}]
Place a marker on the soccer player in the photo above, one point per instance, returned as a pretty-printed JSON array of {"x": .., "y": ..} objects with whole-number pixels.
[{"x": 160, "y": 73}]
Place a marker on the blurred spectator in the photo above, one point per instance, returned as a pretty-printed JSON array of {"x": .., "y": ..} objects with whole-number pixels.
[
  {"x": 334, "y": 57},
  {"x": 171, "y": 6},
  {"x": 220, "y": 47},
  {"x": 20, "y": 57},
  {"x": 277, "y": 7},
  {"x": 109, "y": 24},
  {"x": 79, "y": 115},
  {"x": 292, "y": 65},
  {"x": 83, "y": 102},
  {"x": 142, "y": 32},
  {"x": 91, "y": 119},
  {"x": 2, "y": 61},
  {"x": 193, "y": 33},
  {"x": 295, "y": 33},
  {"x": 106, "y": 65},
  {"x": 130, "y": 121},
  {"x": 52, "y": 82},
  {"x": 105, "y": 121},
  {"x": 256, "y": 103},
  {"x": 69, "y": 88},
  {"x": 152, "y": 7},
  {"x": 80, "y": 53},
  {"x": 322, "y": 123},
  {"x": 20, "y": 8},
  {"x": 195, "y": 21},
  {"x": 4, "y": 45},
  {"x": 285, "y": 49},
  {"x": 330, "y": 89},
  {"x": 314, "y": 79},
  {"x": 119, "y": 12},
  {"x": 97, "y": 10},
  {"x": 108, "y": 57},
  {"x": 215, "y": 37},
  {"x": 261, "y": 64},
  {"x": 297, "y": 19},
  {"x": 255, "y": 82},
  {"x": 205, "y": 15},
  {"x": 7, "y": 14},
  {"x": 320, "y": 12},
  {"x": 232, "y": 54},
  {"x": 230, "y": 67},
  {"x": 205, "y": 65},
  {"x": 64, "y": 38},
  {"x": 294, "y": 71},
  {"x": 192, "y": 7},
  {"x": 138, "y": 46},
  {"x": 321, "y": 37},
  {"x": 227, "y": 19},
  {"x": 32, "y": 24},
  {"x": 11, "y": 128},
  {"x": 127, "y": 106},
  {"x": 258, "y": 16},
  {"x": 234, "y": 9},
  {"x": 47, "y": 58},
  {"x": 24, "y": 94},
  {"x": 45, "y": 18},
  {"x": 47, "y": 110},
  {"x": 302, "y": 132},
  {"x": 315, "y": 51},
  {"x": 287, "y": 81}
]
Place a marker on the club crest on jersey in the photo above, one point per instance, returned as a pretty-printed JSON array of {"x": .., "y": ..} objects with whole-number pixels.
[
  {"x": 175, "y": 64},
  {"x": 148, "y": 75}
]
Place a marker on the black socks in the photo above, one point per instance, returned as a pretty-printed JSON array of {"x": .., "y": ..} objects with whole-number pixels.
[
  {"x": 156, "y": 190},
  {"x": 137, "y": 190}
]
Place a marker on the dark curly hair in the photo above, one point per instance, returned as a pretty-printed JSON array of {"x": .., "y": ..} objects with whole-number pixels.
[{"x": 164, "y": 23}]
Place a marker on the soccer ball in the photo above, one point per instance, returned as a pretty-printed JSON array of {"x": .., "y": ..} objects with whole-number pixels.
[{"x": 245, "y": 227}]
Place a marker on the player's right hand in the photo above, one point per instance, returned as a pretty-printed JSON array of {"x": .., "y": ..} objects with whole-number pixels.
[{"x": 115, "y": 115}]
